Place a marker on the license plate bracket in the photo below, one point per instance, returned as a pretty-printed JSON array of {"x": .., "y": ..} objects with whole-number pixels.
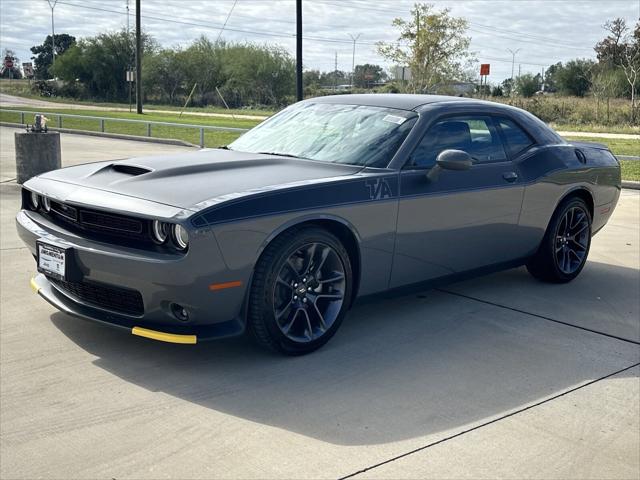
[{"x": 53, "y": 259}]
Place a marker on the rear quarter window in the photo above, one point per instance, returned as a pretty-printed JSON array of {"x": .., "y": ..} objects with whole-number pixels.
[{"x": 516, "y": 139}]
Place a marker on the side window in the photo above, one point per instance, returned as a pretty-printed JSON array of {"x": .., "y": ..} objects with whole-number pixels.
[
  {"x": 475, "y": 135},
  {"x": 517, "y": 139}
]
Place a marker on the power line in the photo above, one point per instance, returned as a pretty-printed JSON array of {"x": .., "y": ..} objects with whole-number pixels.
[
  {"x": 216, "y": 26},
  {"x": 360, "y": 6},
  {"x": 226, "y": 20},
  {"x": 260, "y": 33}
]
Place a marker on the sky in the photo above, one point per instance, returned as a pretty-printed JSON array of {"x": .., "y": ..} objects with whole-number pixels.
[{"x": 543, "y": 31}]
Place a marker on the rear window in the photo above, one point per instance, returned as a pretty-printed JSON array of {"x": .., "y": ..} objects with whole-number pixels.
[{"x": 517, "y": 140}]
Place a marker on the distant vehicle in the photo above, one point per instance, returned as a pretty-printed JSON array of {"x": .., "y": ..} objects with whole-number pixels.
[{"x": 332, "y": 199}]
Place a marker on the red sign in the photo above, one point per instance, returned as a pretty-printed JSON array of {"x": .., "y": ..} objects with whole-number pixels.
[
  {"x": 8, "y": 62},
  {"x": 484, "y": 69}
]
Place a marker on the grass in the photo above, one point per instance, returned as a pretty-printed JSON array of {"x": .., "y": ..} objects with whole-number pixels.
[
  {"x": 596, "y": 128},
  {"x": 619, "y": 146},
  {"x": 21, "y": 88},
  {"x": 630, "y": 170},
  {"x": 211, "y": 138}
]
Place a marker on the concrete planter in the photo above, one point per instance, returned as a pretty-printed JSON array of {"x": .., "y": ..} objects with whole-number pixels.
[{"x": 36, "y": 153}]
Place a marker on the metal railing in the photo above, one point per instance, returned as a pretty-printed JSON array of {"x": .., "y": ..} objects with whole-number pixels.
[{"x": 102, "y": 120}]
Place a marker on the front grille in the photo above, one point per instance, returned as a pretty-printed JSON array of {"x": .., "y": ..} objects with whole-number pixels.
[
  {"x": 93, "y": 221},
  {"x": 110, "y": 222},
  {"x": 109, "y": 297}
]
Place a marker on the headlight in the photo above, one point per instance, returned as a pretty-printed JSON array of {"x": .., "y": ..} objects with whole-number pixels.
[
  {"x": 159, "y": 231},
  {"x": 35, "y": 200},
  {"x": 46, "y": 204},
  {"x": 180, "y": 237}
]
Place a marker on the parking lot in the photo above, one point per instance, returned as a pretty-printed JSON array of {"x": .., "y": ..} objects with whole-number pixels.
[{"x": 501, "y": 376}]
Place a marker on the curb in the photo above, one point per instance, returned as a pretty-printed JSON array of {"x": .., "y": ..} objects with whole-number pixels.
[
  {"x": 118, "y": 136},
  {"x": 631, "y": 184},
  {"x": 627, "y": 157}
]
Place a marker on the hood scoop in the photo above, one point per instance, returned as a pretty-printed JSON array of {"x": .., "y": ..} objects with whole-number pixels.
[{"x": 133, "y": 170}]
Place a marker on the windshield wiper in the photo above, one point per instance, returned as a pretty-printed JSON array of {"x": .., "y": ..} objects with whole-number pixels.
[{"x": 282, "y": 155}]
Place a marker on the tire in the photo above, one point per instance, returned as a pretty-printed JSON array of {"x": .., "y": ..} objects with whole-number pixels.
[
  {"x": 300, "y": 292},
  {"x": 566, "y": 243}
]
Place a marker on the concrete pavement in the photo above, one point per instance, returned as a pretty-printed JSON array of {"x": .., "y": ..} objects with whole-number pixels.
[{"x": 475, "y": 380}]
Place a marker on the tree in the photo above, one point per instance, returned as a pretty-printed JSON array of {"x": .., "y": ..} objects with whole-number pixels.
[
  {"x": 527, "y": 85},
  {"x": 42, "y": 58},
  {"x": 14, "y": 71},
  {"x": 610, "y": 50},
  {"x": 204, "y": 67},
  {"x": 164, "y": 73},
  {"x": 100, "y": 64},
  {"x": 507, "y": 87},
  {"x": 264, "y": 75},
  {"x": 367, "y": 74},
  {"x": 621, "y": 49},
  {"x": 497, "y": 91},
  {"x": 433, "y": 44},
  {"x": 574, "y": 78},
  {"x": 605, "y": 84}
]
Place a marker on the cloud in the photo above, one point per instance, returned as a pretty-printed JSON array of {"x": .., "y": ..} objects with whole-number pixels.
[{"x": 546, "y": 31}]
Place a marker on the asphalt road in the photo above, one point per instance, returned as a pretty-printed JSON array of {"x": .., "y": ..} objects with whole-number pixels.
[
  {"x": 12, "y": 101},
  {"x": 500, "y": 377}
]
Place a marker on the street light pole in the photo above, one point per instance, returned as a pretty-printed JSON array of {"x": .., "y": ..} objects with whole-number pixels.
[
  {"x": 52, "y": 5},
  {"x": 513, "y": 60},
  {"x": 353, "y": 57}
]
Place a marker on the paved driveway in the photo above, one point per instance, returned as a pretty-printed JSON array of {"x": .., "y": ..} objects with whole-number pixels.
[{"x": 496, "y": 377}]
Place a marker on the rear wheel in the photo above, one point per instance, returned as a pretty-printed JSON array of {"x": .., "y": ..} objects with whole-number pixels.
[
  {"x": 565, "y": 246},
  {"x": 300, "y": 291}
]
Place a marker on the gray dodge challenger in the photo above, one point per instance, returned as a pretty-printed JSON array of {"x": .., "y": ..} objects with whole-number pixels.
[{"x": 332, "y": 199}]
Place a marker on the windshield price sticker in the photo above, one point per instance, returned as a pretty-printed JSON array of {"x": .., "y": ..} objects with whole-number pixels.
[{"x": 394, "y": 119}]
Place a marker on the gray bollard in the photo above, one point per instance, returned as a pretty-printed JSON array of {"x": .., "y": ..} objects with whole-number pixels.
[{"x": 36, "y": 153}]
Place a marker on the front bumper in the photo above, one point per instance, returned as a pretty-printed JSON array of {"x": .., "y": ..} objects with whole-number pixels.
[{"x": 162, "y": 279}]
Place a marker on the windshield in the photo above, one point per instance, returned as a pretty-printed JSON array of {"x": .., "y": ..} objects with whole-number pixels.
[{"x": 347, "y": 134}]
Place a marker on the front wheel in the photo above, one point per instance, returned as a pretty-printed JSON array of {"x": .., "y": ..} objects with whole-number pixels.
[
  {"x": 565, "y": 246},
  {"x": 300, "y": 291}
]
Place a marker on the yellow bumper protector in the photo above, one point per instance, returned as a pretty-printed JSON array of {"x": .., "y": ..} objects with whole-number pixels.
[
  {"x": 164, "y": 337},
  {"x": 34, "y": 286}
]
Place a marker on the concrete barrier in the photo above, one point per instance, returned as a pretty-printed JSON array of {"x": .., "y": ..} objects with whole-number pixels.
[{"x": 36, "y": 153}]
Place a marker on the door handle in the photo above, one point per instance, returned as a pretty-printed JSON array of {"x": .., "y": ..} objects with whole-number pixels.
[{"x": 510, "y": 176}]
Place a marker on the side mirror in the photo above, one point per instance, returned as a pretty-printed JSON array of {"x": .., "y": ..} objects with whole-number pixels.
[{"x": 454, "y": 160}]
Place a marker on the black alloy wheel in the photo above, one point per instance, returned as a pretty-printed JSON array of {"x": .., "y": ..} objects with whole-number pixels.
[
  {"x": 300, "y": 291},
  {"x": 309, "y": 292},
  {"x": 564, "y": 249},
  {"x": 572, "y": 240}
]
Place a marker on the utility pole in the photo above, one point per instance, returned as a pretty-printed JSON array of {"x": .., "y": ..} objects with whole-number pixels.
[
  {"x": 335, "y": 72},
  {"x": 299, "y": 86},
  {"x": 129, "y": 59},
  {"x": 513, "y": 59},
  {"x": 138, "y": 60},
  {"x": 353, "y": 57},
  {"x": 52, "y": 5}
]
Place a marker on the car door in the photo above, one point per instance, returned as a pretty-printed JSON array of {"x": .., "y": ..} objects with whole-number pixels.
[{"x": 453, "y": 221}]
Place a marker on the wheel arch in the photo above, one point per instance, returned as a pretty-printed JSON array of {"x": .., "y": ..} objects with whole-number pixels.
[
  {"x": 344, "y": 230},
  {"x": 582, "y": 193}
]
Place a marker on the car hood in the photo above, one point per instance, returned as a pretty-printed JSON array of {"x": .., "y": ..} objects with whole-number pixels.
[{"x": 189, "y": 180}]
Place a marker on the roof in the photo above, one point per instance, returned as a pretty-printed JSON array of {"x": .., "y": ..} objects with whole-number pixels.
[{"x": 402, "y": 101}]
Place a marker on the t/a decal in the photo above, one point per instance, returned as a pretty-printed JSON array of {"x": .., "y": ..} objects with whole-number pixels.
[{"x": 378, "y": 189}]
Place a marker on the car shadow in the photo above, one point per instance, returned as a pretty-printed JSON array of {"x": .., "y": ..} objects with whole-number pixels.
[{"x": 398, "y": 368}]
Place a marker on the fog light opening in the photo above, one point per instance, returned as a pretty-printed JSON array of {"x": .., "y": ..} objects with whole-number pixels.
[{"x": 180, "y": 312}]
